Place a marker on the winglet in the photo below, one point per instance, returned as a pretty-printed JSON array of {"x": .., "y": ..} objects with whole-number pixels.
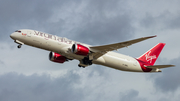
[
  {"x": 153, "y": 36},
  {"x": 150, "y": 37}
]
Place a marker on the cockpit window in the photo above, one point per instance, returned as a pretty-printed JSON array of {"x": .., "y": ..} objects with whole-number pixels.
[{"x": 18, "y": 31}]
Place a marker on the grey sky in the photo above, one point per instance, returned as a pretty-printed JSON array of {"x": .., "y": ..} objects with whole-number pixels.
[
  {"x": 40, "y": 88},
  {"x": 27, "y": 74}
]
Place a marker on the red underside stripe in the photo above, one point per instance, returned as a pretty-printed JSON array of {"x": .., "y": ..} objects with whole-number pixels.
[{"x": 142, "y": 64}]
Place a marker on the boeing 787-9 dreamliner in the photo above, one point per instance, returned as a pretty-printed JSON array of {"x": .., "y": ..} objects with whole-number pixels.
[{"x": 63, "y": 49}]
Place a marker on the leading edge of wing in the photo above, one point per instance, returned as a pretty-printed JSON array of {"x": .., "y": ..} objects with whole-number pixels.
[{"x": 111, "y": 47}]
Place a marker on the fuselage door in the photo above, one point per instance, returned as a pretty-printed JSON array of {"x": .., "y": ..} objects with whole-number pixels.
[{"x": 28, "y": 33}]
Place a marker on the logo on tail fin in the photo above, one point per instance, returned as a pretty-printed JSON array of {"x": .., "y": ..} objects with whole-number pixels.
[{"x": 150, "y": 58}]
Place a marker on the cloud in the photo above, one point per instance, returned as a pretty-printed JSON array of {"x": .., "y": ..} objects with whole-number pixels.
[
  {"x": 104, "y": 22},
  {"x": 81, "y": 19},
  {"x": 19, "y": 87},
  {"x": 1, "y": 62},
  {"x": 163, "y": 21},
  {"x": 106, "y": 30},
  {"x": 35, "y": 15},
  {"x": 173, "y": 22},
  {"x": 22, "y": 14},
  {"x": 168, "y": 81},
  {"x": 131, "y": 95}
]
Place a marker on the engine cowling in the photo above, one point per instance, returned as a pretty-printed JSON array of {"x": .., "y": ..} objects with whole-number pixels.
[
  {"x": 80, "y": 49},
  {"x": 55, "y": 57}
]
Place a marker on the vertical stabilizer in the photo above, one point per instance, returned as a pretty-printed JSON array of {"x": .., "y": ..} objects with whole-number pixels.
[{"x": 151, "y": 56}]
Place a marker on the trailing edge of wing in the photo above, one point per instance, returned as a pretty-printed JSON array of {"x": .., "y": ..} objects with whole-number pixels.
[
  {"x": 111, "y": 47},
  {"x": 160, "y": 66}
]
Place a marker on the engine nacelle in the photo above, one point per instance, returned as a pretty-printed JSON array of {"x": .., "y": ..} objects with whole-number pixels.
[
  {"x": 55, "y": 57},
  {"x": 80, "y": 49}
]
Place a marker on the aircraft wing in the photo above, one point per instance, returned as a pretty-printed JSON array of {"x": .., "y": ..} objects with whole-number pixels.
[{"x": 101, "y": 50}]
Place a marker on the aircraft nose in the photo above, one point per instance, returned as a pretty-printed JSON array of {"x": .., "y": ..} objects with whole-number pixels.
[{"x": 13, "y": 35}]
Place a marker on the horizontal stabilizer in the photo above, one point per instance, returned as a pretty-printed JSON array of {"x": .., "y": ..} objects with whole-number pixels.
[{"x": 159, "y": 66}]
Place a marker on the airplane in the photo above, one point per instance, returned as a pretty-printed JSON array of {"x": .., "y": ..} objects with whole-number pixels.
[{"x": 63, "y": 49}]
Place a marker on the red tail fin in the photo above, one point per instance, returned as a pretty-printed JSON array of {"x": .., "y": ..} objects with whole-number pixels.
[{"x": 152, "y": 55}]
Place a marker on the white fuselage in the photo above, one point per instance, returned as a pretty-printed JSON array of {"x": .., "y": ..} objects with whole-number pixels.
[{"x": 63, "y": 47}]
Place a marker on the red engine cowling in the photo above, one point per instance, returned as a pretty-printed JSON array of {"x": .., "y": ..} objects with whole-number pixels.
[
  {"x": 55, "y": 57},
  {"x": 80, "y": 49}
]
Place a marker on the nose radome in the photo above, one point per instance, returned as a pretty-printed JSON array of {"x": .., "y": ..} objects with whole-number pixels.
[{"x": 12, "y": 35}]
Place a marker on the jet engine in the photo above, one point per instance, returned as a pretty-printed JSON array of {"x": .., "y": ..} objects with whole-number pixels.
[
  {"x": 80, "y": 49},
  {"x": 55, "y": 57}
]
